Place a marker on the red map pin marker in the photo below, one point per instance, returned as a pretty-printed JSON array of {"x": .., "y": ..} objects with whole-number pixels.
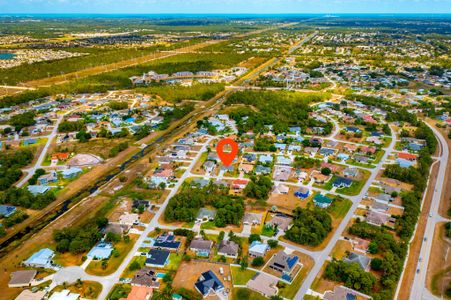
[{"x": 227, "y": 157}]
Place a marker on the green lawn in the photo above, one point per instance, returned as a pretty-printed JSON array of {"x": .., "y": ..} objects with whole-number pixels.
[
  {"x": 119, "y": 291},
  {"x": 240, "y": 277},
  {"x": 129, "y": 274},
  {"x": 174, "y": 261},
  {"x": 354, "y": 189},
  {"x": 243, "y": 293},
  {"x": 208, "y": 225},
  {"x": 95, "y": 267},
  {"x": 339, "y": 207},
  {"x": 268, "y": 231}
]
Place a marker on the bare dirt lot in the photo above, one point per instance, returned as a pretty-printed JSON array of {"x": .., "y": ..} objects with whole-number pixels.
[{"x": 189, "y": 272}]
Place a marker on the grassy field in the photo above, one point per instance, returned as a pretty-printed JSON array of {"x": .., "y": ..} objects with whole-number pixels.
[
  {"x": 95, "y": 267},
  {"x": 356, "y": 186},
  {"x": 129, "y": 274},
  {"x": 86, "y": 289},
  {"x": 240, "y": 277},
  {"x": 339, "y": 207},
  {"x": 119, "y": 291},
  {"x": 174, "y": 261},
  {"x": 175, "y": 93},
  {"x": 243, "y": 293}
]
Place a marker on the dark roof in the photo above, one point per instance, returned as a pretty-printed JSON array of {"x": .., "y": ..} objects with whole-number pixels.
[
  {"x": 137, "y": 203},
  {"x": 342, "y": 181},
  {"x": 157, "y": 257},
  {"x": 208, "y": 281},
  {"x": 166, "y": 241}
]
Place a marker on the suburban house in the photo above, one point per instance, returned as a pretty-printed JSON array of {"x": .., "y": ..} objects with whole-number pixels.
[
  {"x": 344, "y": 293},
  {"x": 40, "y": 259},
  {"x": 362, "y": 260},
  {"x": 342, "y": 182},
  {"x": 101, "y": 251},
  {"x": 284, "y": 263},
  {"x": 205, "y": 215},
  {"x": 166, "y": 242},
  {"x": 209, "y": 284},
  {"x": 7, "y": 210},
  {"x": 258, "y": 248},
  {"x": 201, "y": 247},
  {"x": 282, "y": 173},
  {"x": 322, "y": 201},
  {"x": 302, "y": 192},
  {"x": 351, "y": 172},
  {"x": 377, "y": 218},
  {"x": 21, "y": 279},
  {"x": 228, "y": 248},
  {"x": 262, "y": 170},
  {"x": 29, "y": 295},
  {"x": 263, "y": 284},
  {"x": 239, "y": 184},
  {"x": 140, "y": 293},
  {"x": 157, "y": 258},
  {"x": 252, "y": 219},
  {"x": 71, "y": 172},
  {"x": 48, "y": 178},
  {"x": 280, "y": 189},
  {"x": 360, "y": 245},
  {"x": 146, "y": 277},
  {"x": 280, "y": 221}
]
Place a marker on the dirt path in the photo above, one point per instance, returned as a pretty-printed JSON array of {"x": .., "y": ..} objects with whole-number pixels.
[{"x": 415, "y": 246}]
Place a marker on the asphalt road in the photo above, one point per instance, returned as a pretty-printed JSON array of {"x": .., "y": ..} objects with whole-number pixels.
[
  {"x": 321, "y": 257},
  {"x": 419, "y": 290}
]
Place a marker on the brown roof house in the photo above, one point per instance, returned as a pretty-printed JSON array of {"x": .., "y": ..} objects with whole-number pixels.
[
  {"x": 201, "y": 247},
  {"x": 146, "y": 277},
  {"x": 284, "y": 263},
  {"x": 228, "y": 248},
  {"x": 21, "y": 278},
  {"x": 281, "y": 221},
  {"x": 344, "y": 293},
  {"x": 263, "y": 284}
]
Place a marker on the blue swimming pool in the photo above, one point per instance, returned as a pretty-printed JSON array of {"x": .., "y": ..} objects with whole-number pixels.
[
  {"x": 161, "y": 275},
  {"x": 6, "y": 56}
]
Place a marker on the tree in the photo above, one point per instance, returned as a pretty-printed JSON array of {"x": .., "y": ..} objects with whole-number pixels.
[
  {"x": 258, "y": 188},
  {"x": 376, "y": 264},
  {"x": 258, "y": 261},
  {"x": 22, "y": 120},
  {"x": 83, "y": 136},
  {"x": 273, "y": 243},
  {"x": 310, "y": 227},
  {"x": 326, "y": 171},
  {"x": 254, "y": 237},
  {"x": 135, "y": 265},
  {"x": 243, "y": 263},
  {"x": 112, "y": 237}
]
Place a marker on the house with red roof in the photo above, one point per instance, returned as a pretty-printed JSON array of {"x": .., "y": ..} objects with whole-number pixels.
[{"x": 407, "y": 156}]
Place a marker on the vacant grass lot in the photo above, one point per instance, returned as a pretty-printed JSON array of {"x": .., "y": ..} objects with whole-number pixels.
[{"x": 241, "y": 277}]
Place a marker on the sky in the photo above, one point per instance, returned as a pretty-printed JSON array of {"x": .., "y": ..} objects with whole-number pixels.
[{"x": 223, "y": 6}]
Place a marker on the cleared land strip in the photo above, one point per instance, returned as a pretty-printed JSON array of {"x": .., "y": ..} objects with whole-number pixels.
[{"x": 60, "y": 79}]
